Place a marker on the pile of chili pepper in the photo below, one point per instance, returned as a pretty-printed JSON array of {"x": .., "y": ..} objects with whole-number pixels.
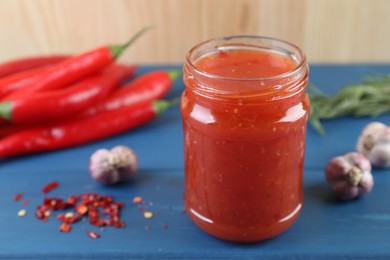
[{"x": 54, "y": 102}]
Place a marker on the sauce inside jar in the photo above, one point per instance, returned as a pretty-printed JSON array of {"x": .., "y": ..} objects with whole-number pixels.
[
  {"x": 245, "y": 64},
  {"x": 244, "y": 143}
]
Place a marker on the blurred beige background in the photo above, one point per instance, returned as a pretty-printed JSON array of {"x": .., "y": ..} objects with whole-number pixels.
[{"x": 329, "y": 31}]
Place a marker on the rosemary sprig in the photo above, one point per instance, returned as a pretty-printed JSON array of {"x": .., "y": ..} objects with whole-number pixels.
[{"x": 370, "y": 98}]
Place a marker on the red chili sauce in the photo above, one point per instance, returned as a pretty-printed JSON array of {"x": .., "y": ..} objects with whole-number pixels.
[{"x": 243, "y": 156}]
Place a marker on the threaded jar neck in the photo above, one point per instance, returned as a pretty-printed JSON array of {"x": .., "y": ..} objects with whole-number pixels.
[{"x": 267, "y": 88}]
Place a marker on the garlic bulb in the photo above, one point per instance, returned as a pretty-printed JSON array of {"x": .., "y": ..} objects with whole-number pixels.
[
  {"x": 374, "y": 143},
  {"x": 350, "y": 175},
  {"x": 113, "y": 166}
]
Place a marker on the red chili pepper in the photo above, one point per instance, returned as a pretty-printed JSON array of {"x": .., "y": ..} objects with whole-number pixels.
[
  {"x": 82, "y": 130},
  {"x": 50, "y": 187},
  {"x": 12, "y": 129},
  {"x": 22, "y": 64},
  {"x": 52, "y": 105},
  {"x": 19, "y": 80},
  {"x": 76, "y": 68},
  {"x": 150, "y": 86}
]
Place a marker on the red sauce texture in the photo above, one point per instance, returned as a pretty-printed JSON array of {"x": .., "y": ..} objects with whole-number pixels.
[{"x": 243, "y": 160}]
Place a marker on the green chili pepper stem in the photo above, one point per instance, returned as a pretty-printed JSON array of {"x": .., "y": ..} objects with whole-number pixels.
[
  {"x": 117, "y": 49},
  {"x": 5, "y": 110},
  {"x": 160, "y": 106},
  {"x": 174, "y": 74}
]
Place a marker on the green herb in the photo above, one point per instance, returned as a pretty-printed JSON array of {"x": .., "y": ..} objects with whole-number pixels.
[{"x": 370, "y": 98}]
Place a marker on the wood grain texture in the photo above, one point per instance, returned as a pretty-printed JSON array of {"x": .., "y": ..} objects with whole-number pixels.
[{"x": 328, "y": 31}]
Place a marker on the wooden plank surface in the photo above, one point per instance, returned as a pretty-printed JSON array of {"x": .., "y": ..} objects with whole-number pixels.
[
  {"x": 327, "y": 30},
  {"x": 326, "y": 228}
]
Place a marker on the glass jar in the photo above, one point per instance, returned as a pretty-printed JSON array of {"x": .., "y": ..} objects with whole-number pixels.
[{"x": 244, "y": 114}]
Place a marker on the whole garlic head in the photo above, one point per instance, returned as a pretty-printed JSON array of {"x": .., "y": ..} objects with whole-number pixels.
[
  {"x": 350, "y": 175},
  {"x": 374, "y": 143},
  {"x": 113, "y": 166}
]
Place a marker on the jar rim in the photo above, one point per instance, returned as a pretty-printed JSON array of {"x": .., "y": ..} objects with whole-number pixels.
[{"x": 300, "y": 65}]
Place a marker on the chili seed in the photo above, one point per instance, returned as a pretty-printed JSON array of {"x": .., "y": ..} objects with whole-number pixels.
[
  {"x": 47, "y": 213},
  {"x": 69, "y": 215},
  {"x": 148, "y": 214},
  {"x": 22, "y": 213}
]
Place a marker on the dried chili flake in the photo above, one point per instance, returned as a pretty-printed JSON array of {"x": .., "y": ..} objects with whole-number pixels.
[
  {"x": 81, "y": 209},
  {"x": 137, "y": 200},
  {"x": 120, "y": 204},
  {"x": 25, "y": 202},
  {"x": 99, "y": 209},
  {"x": 65, "y": 228},
  {"x": 147, "y": 227},
  {"x": 97, "y": 222},
  {"x": 39, "y": 214},
  {"x": 54, "y": 203},
  {"x": 22, "y": 213},
  {"x": 93, "y": 235},
  {"x": 93, "y": 213},
  {"x": 119, "y": 224},
  {"x": 49, "y": 187},
  {"x": 72, "y": 200},
  {"x": 18, "y": 196},
  {"x": 71, "y": 220}
]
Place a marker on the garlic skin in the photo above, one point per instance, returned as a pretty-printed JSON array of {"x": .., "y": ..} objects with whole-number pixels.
[
  {"x": 374, "y": 142},
  {"x": 350, "y": 175},
  {"x": 112, "y": 166}
]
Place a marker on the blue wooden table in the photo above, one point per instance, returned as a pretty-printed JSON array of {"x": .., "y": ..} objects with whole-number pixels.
[{"x": 326, "y": 228}]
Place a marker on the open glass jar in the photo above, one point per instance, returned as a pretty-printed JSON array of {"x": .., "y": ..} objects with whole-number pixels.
[{"x": 244, "y": 115}]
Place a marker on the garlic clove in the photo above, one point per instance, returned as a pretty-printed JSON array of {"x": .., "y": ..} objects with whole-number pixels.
[
  {"x": 374, "y": 142},
  {"x": 369, "y": 136},
  {"x": 129, "y": 161},
  {"x": 344, "y": 191},
  {"x": 336, "y": 169},
  {"x": 366, "y": 184},
  {"x": 359, "y": 160},
  {"x": 380, "y": 155}
]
